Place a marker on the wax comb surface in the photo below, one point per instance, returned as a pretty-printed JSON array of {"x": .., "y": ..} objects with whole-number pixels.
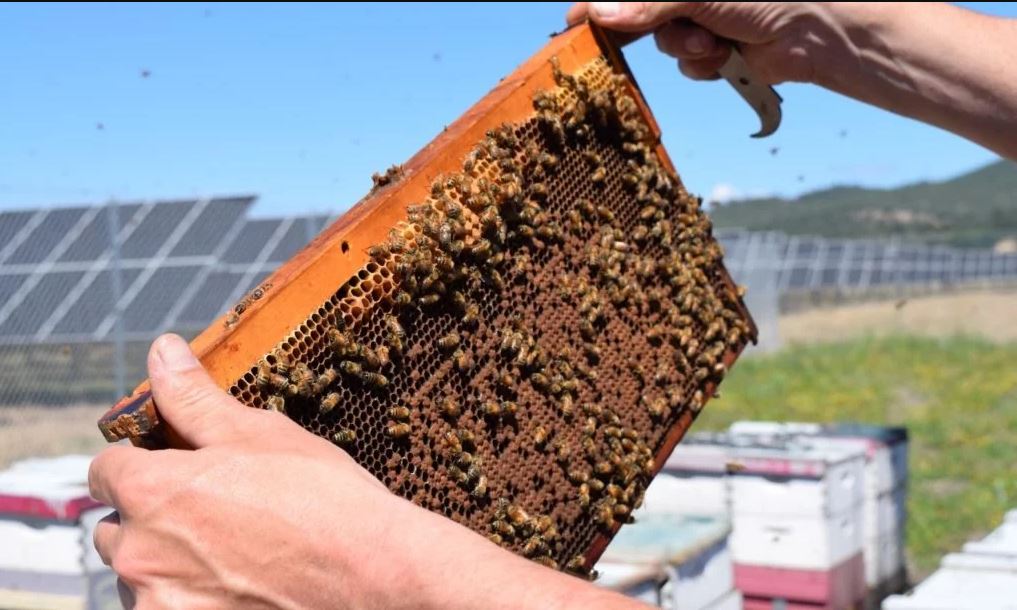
[{"x": 514, "y": 329}]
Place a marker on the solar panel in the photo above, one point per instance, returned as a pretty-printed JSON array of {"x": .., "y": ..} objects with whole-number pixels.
[
  {"x": 38, "y": 304},
  {"x": 94, "y": 240},
  {"x": 9, "y": 284},
  {"x": 210, "y": 300},
  {"x": 153, "y": 231},
  {"x": 218, "y": 217},
  {"x": 50, "y": 232},
  {"x": 94, "y": 304},
  {"x": 250, "y": 241},
  {"x": 148, "y": 309},
  {"x": 294, "y": 239},
  {"x": 11, "y": 223}
]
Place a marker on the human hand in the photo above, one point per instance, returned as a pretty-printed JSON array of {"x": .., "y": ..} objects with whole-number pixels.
[
  {"x": 263, "y": 514},
  {"x": 777, "y": 39}
]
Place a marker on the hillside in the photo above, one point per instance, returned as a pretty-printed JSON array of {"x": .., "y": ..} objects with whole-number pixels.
[{"x": 974, "y": 209}]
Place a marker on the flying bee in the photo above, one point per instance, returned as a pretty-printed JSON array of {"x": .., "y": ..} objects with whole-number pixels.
[
  {"x": 598, "y": 175},
  {"x": 398, "y": 431},
  {"x": 399, "y": 413},
  {"x": 329, "y": 402},
  {"x": 539, "y": 436},
  {"x": 449, "y": 407},
  {"x": 276, "y": 403},
  {"x": 345, "y": 437},
  {"x": 462, "y": 360},
  {"x": 374, "y": 380}
]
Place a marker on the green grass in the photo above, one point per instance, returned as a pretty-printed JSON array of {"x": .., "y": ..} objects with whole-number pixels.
[{"x": 958, "y": 398}]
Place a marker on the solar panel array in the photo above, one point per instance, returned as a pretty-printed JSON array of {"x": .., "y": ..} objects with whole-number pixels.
[
  {"x": 81, "y": 274},
  {"x": 806, "y": 263}
]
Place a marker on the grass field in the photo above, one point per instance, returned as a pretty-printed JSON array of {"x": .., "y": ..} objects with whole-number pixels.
[{"x": 958, "y": 397}]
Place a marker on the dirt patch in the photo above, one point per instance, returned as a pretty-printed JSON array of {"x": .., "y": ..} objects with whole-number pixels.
[
  {"x": 989, "y": 314},
  {"x": 33, "y": 431}
]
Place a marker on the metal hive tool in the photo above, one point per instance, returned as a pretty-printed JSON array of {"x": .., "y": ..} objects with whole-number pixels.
[{"x": 513, "y": 329}]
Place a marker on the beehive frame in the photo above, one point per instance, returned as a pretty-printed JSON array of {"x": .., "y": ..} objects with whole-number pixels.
[{"x": 343, "y": 279}]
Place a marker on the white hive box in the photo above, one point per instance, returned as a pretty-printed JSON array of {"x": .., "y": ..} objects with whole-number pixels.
[
  {"x": 960, "y": 589},
  {"x": 46, "y": 520},
  {"x": 692, "y": 482},
  {"x": 1002, "y": 542},
  {"x": 688, "y": 554},
  {"x": 637, "y": 581}
]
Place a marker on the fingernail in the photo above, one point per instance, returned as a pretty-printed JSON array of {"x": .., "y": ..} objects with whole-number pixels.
[
  {"x": 175, "y": 354},
  {"x": 606, "y": 9},
  {"x": 694, "y": 44}
]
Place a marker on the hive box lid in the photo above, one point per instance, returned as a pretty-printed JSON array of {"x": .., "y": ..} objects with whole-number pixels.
[
  {"x": 46, "y": 488},
  {"x": 666, "y": 539}
]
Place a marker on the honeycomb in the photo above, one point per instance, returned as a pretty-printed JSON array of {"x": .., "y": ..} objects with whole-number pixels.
[{"x": 518, "y": 351}]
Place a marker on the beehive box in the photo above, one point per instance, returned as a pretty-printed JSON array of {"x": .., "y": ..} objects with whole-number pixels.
[{"x": 514, "y": 328}]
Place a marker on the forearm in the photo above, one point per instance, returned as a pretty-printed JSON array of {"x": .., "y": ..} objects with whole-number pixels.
[
  {"x": 451, "y": 567},
  {"x": 933, "y": 62}
]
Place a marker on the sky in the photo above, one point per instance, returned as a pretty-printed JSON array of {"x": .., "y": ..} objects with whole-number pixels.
[{"x": 300, "y": 104}]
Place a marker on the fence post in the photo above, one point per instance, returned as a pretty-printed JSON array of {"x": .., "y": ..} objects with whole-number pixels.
[{"x": 116, "y": 288}]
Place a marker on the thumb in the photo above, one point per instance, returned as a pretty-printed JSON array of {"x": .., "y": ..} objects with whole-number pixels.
[{"x": 190, "y": 402}]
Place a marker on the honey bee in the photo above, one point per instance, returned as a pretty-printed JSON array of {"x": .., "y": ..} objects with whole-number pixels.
[
  {"x": 587, "y": 330},
  {"x": 561, "y": 450},
  {"x": 471, "y": 315},
  {"x": 509, "y": 408},
  {"x": 345, "y": 437},
  {"x": 592, "y": 353},
  {"x": 329, "y": 402},
  {"x": 603, "y": 468},
  {"x": 399, "y": 413},
  {"x": 283, "y": 363},
  {"x": 402, "y": 298},
  {"x": 576, "y": 565},
  {"x": 466, "y": 437},
  {"x": 621, "y": 510},
  {"x": 429, "y": 299},
  {"x": 590, "y": 426},
  {"x": 374, "y": 380},
  {"x": 598, "y": 175},
  {"x": 276, "y": 403},
  {"x": 539, "y": 436},
  {"x": 516, "y": 514},
  {"x": 596, "y": 485},
  {"x": 474, "y": 472},
  {"x": 495, "y": 538},
  {"x": 457, "y": 475},
  {"x": 264, "y": 374},
  {"x": 584, "y": 495},
  {"x": 503, "y": 528},
  {"x": 342, "y": 343},
  {"x": 566, "y": 405},
  {"x": 506, "y": 380},
  {"x": 326, "y": 379},
  {"x": 350, "y": 367},
  {"x": 491, "y": 408},
  {"x": 578, "y": 476},
  {"x": 548, "y": 160},
  {"x": 534, "y": 545},
  {"x": 378, "y": 253},
  {"x": 454, "y": 444},
  {"x": 696, "y": 403},
  {"x": 480, "y": 488},
  {"x": 540, "y": 381},
  {"x": 398, "y": 430},
  {"x": 449, "y": 407},
  {"x": 604, "y": 514},
  {"x": 462, "y": 360},
  {"x": 449, "y": 341}
]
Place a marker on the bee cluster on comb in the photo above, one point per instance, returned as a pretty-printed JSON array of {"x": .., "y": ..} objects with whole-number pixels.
[{"x": 517, "y": 352}]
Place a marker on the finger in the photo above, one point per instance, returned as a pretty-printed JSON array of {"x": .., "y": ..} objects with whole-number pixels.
[
  {"x": 107, "y": 470},
  {"x": 198, "y": 410},
  {"x": 638, "y": 16},
  {"x": 702, "y": 69},
  {"x": 685, "y": 40},
  {"x": 106, "y": 537},
  {"x": 576, "y": 13}
]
